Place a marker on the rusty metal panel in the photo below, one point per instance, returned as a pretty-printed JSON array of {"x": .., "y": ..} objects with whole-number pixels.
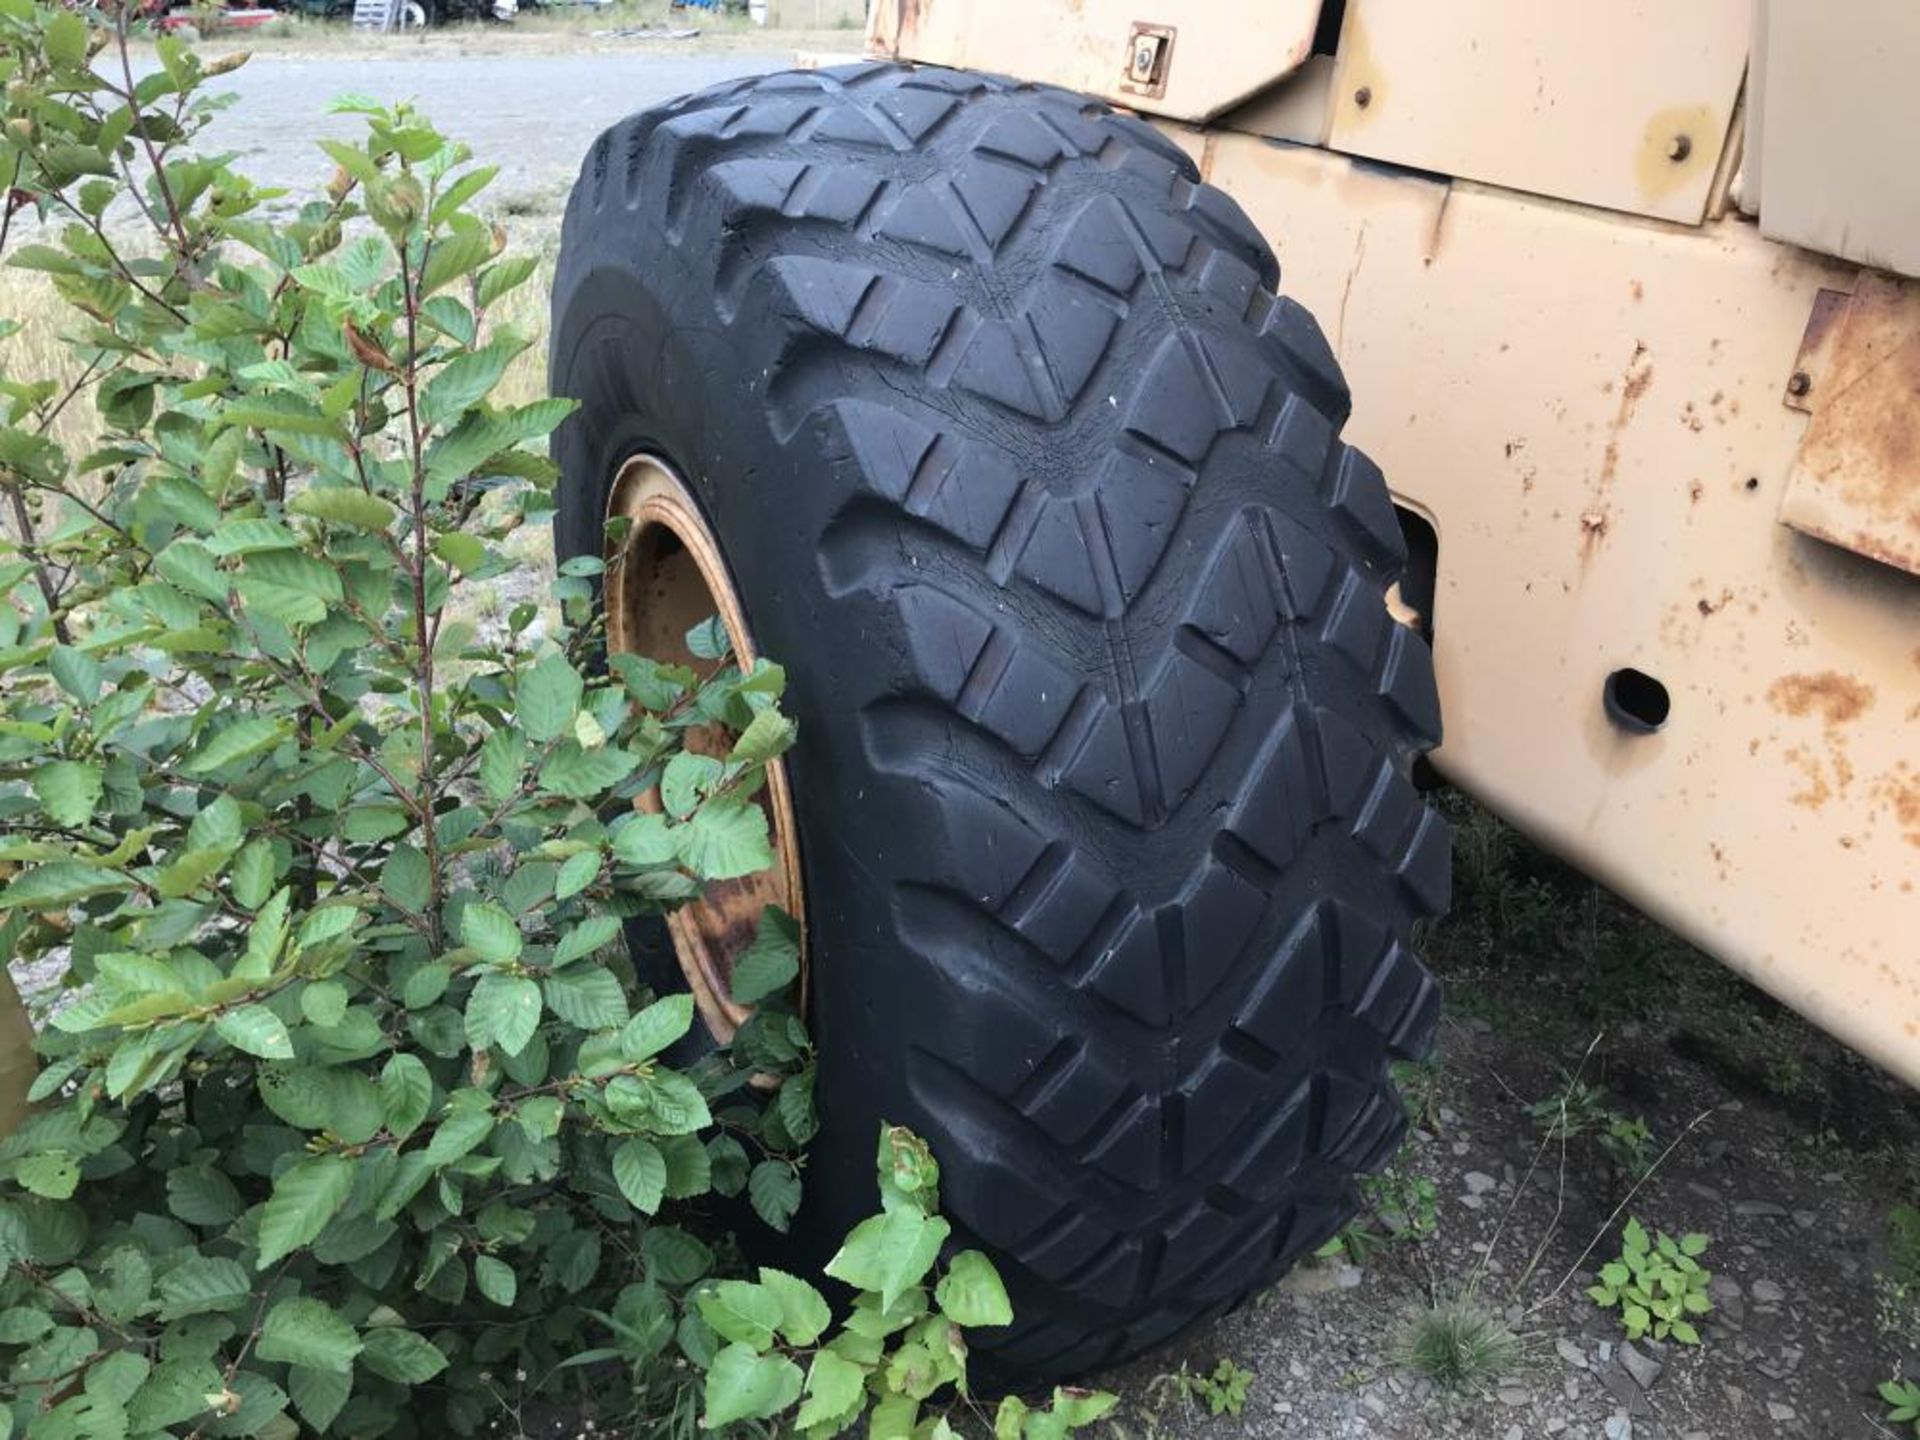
[
  {"x": 1588, "y": 409},
  {"x": 1834, "y": 119},
  {"x": 1856, "y": 479},
  {"x": 1188, "y": 60},
  {"x": 1625, "y": 105}
]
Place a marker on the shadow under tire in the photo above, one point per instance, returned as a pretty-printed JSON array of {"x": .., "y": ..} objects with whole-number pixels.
[{"x": 1036, "y": 489}]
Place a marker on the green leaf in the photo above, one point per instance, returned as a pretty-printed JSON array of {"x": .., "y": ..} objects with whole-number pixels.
[
  {"x": 203, "y": 1195},
  {"x": 65, "y": 39},
  {"x": 495, "y": 1279},
  {"x": 200, "y": 1285},
  {"x": 464, "y": 247},
  {"x": 656, "y": 1027},
  {"x": 741, "y": 1312},
  {"x": 465, "y": 381},
  {"x": 324, "y": 1003},
  {"x": 725, "y": 840},
  {"x": 407, "y": 879},
  {"x": 585, "y": 938},
  {"x": 406, "y": 1093},
  {"x": 319, "y": 1395},
  {"x": 970, "y": 1293},
  {"x": 547, "y": 697},
  {"x": 685, "y": 779},
  {"x": 307, "y": 1332},
  {"x": 772, "y": 962},
  {"x": 675, "y": 1258},
  {"x": 503, "y": 761},
  {"x": 503, "y": 1010},
  {"x": 576, "y": 874},
  {"x": 239, "y": 741},
  {"x": 304, "y": 1199},
  {"x": 496, "y": 280},
  {"x": 490, "y": 933},
  {"x": 708, "y": 640},
  {"x": 68, "y": 791},
  {"x": 246, "y": 535},
  {"x": 644, "y": 840},
  {"x": 466, "y": 553},
  {"x": 425, "y": 986},
  {"x": 834, "y": 1391},
  {"x": 256, "y": 1030},
  {"x": 804, "y": 1315},
  {"x": 676, "y": 1102},
  {"x": 52, "y": 1174},
  {"x": 55, "y": 886},
  {"x": 744, "y": 1386},
  {"x": 405, "y": 1357},
  {"x": 774, "y": 1188},
  {"x": 641, "y": 1173},
  {"x": 1693, "y": 1244},
  {"x": 889, "y": 1253},
  {"x": 468, "y": 1121},
  {"x": 580, "y": 773},
  {"x": 768, "y": 734},
  {"x": 589, "y": 999},
  {"x": 252, "y": 873},
  {"x": 76, "y": 672},
  {"x": 343, "y": 505}
]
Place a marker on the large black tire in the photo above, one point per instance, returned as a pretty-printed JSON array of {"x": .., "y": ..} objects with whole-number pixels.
[{"x": 1111, "y": 856}]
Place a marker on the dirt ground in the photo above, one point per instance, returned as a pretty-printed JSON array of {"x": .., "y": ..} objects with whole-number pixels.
[{"x": 1793, "y": 1156}]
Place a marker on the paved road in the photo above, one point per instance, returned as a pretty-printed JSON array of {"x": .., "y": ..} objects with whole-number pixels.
[{"x": 532, "y": 115}]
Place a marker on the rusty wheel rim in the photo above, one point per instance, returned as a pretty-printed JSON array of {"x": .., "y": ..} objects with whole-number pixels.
[{"x": 666, "y": 575}]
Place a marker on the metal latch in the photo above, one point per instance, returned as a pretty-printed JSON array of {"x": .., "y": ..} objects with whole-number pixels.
[{"x": 1149, "y": 56}]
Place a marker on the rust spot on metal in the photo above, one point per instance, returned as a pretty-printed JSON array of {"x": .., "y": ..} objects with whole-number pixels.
[
  {"x": 1899, "y": 791},
  {"x": 1634, "y": 381},
  {"x": 1816, "y": 791},
  {"x": 1856, "y": 478},
  {"x": 1838, "y": 698},
  {"x": 1816, "y": 346}
]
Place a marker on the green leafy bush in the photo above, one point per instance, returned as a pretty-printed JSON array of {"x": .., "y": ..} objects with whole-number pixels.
[
  {"x": 1658, "y": 1284},
  {"x": 353, "y": 1117}
]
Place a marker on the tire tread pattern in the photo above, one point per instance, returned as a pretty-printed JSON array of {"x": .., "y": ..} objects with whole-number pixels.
[{"x": 1154, "y": 1088}]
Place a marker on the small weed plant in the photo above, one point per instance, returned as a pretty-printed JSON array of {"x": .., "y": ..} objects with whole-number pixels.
[
  {"x": 1399, "y": 1208},
  {"x": 1657, "y": 1283},
  {"x": 1459, "y": 1345},
  {"x": 1902, "y": 1399},
  {"x": 1581, "y": 1108},
  {"x": 1222, "y": 1390}
]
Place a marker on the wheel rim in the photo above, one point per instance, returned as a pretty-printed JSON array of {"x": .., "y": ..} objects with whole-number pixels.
[{"x": 666, "y": 576}]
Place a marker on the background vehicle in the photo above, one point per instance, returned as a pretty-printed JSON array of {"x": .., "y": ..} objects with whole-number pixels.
[{"x": 1106, "y": 889}]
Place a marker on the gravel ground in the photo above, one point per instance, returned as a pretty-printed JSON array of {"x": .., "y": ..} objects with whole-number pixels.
[
  {"x": 1803, "y": 1151},
  {"x": 533, "y": 115}
]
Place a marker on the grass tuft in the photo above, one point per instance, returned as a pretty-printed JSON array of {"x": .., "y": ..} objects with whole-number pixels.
[{"x": 1459, "y": 1346}]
